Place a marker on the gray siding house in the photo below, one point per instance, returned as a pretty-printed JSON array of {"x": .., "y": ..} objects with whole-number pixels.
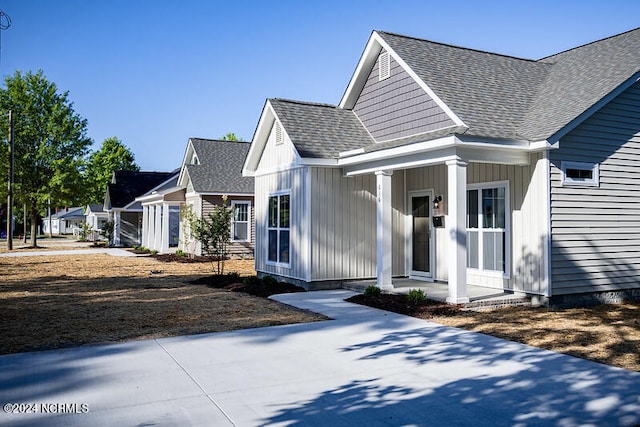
[
  {"x": 210, "y": 170},
  {"x": 443, "y": 163}
]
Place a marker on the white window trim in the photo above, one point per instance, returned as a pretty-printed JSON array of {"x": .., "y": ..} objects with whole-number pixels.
[
  {"x": 233, "y": 222},
  {"x": 384, "y": 66},
  {"x": 507, "y": 232},
  {"x": 570, "y": 182},
  {"x": 267, "y": 228}
]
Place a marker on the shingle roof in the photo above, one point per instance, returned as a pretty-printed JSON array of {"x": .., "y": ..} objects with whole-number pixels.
[
  {"x": 220, "y": 168},
  {"x": 490, "y": 93},
  {"x": 504, "y": 97},
  {"x": 496, "y": 96},
  {"x": 320, "y": 130},
  {"x": 131, "y": 184},
  {"x": 578, "y": 79}
]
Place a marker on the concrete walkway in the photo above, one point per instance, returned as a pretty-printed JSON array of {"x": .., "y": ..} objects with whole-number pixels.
[{"x": 365, "y": 368}]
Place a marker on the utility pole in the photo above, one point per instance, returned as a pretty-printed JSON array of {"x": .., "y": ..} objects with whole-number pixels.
[{"x": 10, "y": 186}]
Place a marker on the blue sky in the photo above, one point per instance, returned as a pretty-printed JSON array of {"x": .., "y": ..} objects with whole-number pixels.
[{"x": 154, "y": 73}]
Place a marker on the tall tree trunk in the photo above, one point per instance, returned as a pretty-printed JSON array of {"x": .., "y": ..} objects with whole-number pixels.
[{"x": 34, "y": 224}]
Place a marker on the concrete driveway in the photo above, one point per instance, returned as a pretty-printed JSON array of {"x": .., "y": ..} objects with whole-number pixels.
[{"x": 365, "y": 368}]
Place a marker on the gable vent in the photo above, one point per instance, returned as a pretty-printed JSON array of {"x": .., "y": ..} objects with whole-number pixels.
[
  {"x": 278, "y": 130},
  {"x": 384, "y": 66}
]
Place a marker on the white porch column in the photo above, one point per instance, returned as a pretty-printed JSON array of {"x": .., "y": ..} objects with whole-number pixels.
[
  {"x": 145, "y": 225},
  {"x": 157, "y": 229},
  {"x": 151, "y": 226},
  {"x": 165, "y": 229},
  {"x": 457, "y": 227},
  {"x": 116, "y": 228},
  {"x": 383, "y": 230}
]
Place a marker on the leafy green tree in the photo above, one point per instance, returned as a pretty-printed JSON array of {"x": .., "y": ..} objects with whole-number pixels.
[
  {"x": 112, "y": 156},
  {"x": 50, "y": 143},
  {"x": 230, "y": 136}
]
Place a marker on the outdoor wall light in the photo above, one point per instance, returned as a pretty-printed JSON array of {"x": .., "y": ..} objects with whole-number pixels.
[{"x": 436, "y": 202}]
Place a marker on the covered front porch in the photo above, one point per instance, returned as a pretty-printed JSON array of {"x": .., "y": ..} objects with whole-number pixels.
[{"x": 435, "y": 184}]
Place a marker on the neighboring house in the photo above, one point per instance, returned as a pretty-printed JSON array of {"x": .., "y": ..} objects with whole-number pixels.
[
  {"x": 65, "y": 221},
  {"x": 443, "y": 163},
  {"x": 95, "y": 216},
  {"x": 161, "y": 216},
  {"x": 210, "y": 170},
  {"x": 121, "y": 205}
]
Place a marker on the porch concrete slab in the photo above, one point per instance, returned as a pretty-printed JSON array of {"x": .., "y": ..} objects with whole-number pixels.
[{"x": 366, "y": 367}]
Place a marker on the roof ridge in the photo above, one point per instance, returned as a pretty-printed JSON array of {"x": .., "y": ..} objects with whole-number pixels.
[
  {"x": 294, "y": 101},
  {"x": 486, "y": 52},
  {"x": 195, "y": 138},
  {"x": 590, "y": 43}
]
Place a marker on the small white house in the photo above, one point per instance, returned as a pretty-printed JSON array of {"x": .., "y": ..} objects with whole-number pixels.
[{"x": 65, "y": 221}]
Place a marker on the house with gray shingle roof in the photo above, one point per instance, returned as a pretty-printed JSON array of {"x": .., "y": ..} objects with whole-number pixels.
[
  {"x": 211, "y": 169},
  {"x": 124, "y": 209},
  {"x": 449, "y": 164}
]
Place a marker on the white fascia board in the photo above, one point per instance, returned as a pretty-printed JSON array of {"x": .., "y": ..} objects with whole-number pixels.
[
  {"x": 188, "y": 150},
  {"x": 404, "y": 162},
  {"x": 260, "y": 138},
  {"x": 436, "y": 151},
  {"x": 359, "y": 77},
  {"x": 426, "y": 146}
]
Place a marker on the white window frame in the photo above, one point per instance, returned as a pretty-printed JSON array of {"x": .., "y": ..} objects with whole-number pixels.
[
  {"x": 233, "y": 220},
  {"x": 594, "y": 181},
  {"x": 506, "y": 274},
  {"x": 278, "y": 228}
]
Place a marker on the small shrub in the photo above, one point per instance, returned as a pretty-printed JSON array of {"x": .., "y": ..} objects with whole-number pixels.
[
  {"x": 153, "y": 252},
  {"x": 372, "y": 291},
  {"x": 180, "y": 253},
  {"x": 416, "y": 296},
  {"x": 234, "y": 275},
  {"x": 251, "y": 281},
  {"x": 269, "y": 281}
]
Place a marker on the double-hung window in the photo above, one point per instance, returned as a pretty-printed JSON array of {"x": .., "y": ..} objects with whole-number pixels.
[
  {"x": 240, "y": 230},
  {"x": 278, "y": 228},
  {"x": 487, "y": 228}
]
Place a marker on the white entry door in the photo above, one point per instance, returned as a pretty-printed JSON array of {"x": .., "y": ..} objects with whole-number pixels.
[{"x": 421, "y": 234}]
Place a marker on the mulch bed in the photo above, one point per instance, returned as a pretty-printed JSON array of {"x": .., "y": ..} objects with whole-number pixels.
[
  {"x": 249, "y": 285},
  {"x": 400, "y": 304}
]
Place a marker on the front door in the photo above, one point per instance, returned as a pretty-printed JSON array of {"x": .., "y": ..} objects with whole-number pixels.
[{"x": 421, "y": 235}]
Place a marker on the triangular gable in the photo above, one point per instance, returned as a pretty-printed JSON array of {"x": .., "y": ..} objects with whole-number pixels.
[
  {"x": 186, "y": 159},
  {"x": 396, "y": 106},
  {"x": 435, "y": 114},
  {"x": 270, "y": 146}
]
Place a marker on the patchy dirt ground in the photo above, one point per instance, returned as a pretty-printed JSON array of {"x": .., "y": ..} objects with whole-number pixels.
[
  {"x": 608, "y": 334},
  {"x": 60, "y": 301}
]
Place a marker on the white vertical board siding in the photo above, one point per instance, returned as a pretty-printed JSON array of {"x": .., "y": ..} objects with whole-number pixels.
[
  {"x": 596, "y": 230},
  {"x": 293, "y": 180},
  {"x": 343, "y": 225},
  {"x": 275, "y": 155},
  {"x": 527, "y": 190}
]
